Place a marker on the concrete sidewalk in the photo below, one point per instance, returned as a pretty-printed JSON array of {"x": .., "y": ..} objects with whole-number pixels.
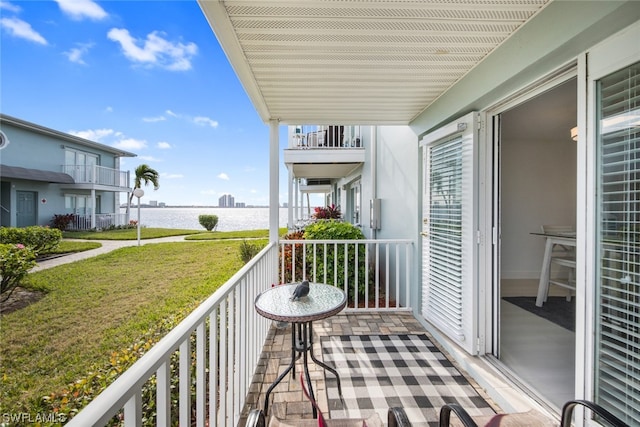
[{"x": 107, "y": 246}]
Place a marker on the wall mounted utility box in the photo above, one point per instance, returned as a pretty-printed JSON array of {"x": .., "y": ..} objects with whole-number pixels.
[{"x": 374, "y": 214}]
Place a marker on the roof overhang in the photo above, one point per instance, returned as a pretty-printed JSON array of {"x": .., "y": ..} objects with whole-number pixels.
[
  {"x": 16, "y": 172},
  {"x": 355, "y": 61}
]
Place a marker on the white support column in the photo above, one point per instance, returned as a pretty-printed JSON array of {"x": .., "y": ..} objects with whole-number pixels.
[
  {"x": 93, "y": 208},
  {"x": 297, "y": 207},
  {"x": 274, "y": 177},
  {"x": 290, "y": 200}
]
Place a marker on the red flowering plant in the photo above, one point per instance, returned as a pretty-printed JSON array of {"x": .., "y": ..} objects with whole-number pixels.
[
  {"x": 329, "y": 212},
  {"x": 292, "y": 258}
]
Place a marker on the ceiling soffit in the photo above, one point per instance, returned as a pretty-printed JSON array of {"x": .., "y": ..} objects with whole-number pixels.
[{"x": 365, "y": 62}]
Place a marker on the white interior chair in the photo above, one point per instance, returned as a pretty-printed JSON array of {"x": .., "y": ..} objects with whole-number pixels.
[{"x": 564, "y": 258}]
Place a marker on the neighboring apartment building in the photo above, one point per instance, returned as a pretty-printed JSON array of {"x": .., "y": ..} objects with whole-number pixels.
[{"x": 45, "y": 172}]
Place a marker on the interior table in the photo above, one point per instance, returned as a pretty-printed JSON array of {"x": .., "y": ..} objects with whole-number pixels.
[
  {"x": 566, "y": 239},
  {"x": 322, "y": 301}
]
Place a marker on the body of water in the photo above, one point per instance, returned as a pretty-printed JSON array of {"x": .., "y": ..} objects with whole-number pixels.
[{"x": 229, "y": 219}]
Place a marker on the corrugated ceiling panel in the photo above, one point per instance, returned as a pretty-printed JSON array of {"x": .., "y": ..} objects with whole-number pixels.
[{"x": 365, "y": 59}]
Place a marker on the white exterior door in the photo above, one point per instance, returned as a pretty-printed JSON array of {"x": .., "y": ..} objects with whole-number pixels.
[{"x": 450, "y": 230}]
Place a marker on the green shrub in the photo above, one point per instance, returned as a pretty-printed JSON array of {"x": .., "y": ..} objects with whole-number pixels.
[
  {"x": 248, "y": 251},
  {"x": 15, "y": 262},
  {"x": 336, "y": 258},
  {"x": 38, "y": 239},
  {"x": 210, "y": 222}
]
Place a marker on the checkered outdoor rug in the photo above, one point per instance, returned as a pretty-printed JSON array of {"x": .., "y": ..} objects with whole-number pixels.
[{"x": 381, "y": 371}]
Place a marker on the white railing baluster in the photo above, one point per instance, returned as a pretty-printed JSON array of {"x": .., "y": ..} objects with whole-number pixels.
[
  {"x": 185, "y": 382},
  {"x": 201, "y": 372},
  {"x": 213, "y": 366},
  {"x": 397, "y": 290},
  {"x": 163, "y": 395},
  {"x": 386, "y": 278},
  {"x": 223, "y": 363},
  {"x": 407, "y": 261},
  {"x": 231, "y": 359},
  {"x": 366, "y": 281},
  {"x": 133, "y": 410},
  {"x": 377, "y": 276}
]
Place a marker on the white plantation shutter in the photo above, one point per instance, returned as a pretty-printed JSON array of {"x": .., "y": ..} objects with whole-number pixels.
[
  {"x": 617, "y": 384},
  {"x": 449, "y": 243}
]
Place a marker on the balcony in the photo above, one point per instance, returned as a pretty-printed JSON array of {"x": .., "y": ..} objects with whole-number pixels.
[
  {"x": 98, "y": 175},
  {"x": 223, "y": 348},
  {"x": 324, "y": 151}
]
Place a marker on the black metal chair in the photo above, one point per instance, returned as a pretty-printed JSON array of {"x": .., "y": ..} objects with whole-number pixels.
[
  {"x": 518, "y": 419},
  {"x": 396, "y": 417}
]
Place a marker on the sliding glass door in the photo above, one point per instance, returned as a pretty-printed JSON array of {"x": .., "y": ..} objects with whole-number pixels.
[{"x": 617, "y": 308}]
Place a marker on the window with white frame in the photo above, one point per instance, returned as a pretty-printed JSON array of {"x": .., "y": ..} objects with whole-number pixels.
[{"x": 617, "y": 320}]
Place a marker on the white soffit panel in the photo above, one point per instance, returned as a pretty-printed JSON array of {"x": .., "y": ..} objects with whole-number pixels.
[{"x": 358, "y": 61}]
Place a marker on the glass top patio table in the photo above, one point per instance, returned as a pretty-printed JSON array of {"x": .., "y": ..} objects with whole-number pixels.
[{"x": 323, "y": 301}]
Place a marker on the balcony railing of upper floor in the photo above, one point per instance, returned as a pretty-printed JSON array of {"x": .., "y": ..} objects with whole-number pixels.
[
  {"x": 213, "y": 353},
  {"x": 326, "y": 137},
  {"x": 100, "y": 175},
  {"x": 102, "y": 221}
]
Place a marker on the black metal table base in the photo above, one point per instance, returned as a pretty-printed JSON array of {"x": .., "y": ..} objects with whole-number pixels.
[{"x": 301, "y": 345}]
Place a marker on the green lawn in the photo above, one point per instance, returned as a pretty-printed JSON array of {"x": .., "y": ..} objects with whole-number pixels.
[
  {"x": 101, "y": 305},
  {"x": 128, "y": 234}
]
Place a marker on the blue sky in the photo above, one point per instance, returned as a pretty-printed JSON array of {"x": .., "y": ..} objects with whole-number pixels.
[{"x": 145, "y": 76}]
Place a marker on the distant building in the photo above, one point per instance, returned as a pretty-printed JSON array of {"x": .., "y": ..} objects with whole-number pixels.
[
  {"x": 153, "y": 203},
  {"x": 226, "y": 201},
  {"x": 241, "y": 205},
  {"x": 162, "y": 204}
]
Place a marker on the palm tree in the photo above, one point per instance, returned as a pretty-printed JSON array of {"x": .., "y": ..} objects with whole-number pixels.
[{"x": 146, "y": 175}]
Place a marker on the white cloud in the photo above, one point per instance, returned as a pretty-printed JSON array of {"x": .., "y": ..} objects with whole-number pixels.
[
  {"x": 131, "y": 144},
  {"x": 21, "y": 29},
  {"x": 253, "y": 191},
  {"x": 155, "y": 50},
  {"x": 171, "y": 175},
  {"x": 163, "y": 145},
  {"x": 75, "y": 54},
  {"x": 223, "y": 176},
  {"x": 205, "y": 121},
  {"x": 9, "y": 6},
  {"x": 150, "y": 158},
  {"x": 79, "y": 9},
  {"x": 109, "y": 109},
  {"x": 96, "y": 135},
  {"x": 154, "y": 119},
  {"x": 172, "y": 114}
]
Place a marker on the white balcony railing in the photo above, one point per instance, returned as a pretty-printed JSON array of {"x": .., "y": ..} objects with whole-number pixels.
[
  {"x": 228, "y": 342},
  {"x": 326, "y": 136},
  {"x": 102, "y": 221},
  {"x": 375, "y": 274},
  {"x": 219, "y": 344},
  {"x": 83, "y": 174}
]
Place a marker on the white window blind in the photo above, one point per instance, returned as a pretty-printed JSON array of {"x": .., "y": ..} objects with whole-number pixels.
[
  {"x": 445, "y": 275},
  {"x": 617, "y": 320}
]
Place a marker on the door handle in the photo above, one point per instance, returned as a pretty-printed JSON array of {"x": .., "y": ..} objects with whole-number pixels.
[{"x": 424, "y": 234}]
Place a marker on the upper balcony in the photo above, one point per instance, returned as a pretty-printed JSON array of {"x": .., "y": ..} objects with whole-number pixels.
[
  {"x": 324, "y": 152},
  {"x": 98, "y": 176}
]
